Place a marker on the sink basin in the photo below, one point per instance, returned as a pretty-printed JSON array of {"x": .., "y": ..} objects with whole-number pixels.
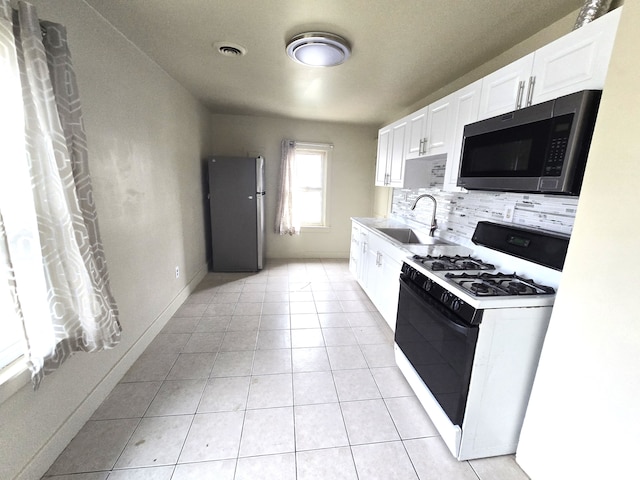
[{"x": 411, "y": 237}]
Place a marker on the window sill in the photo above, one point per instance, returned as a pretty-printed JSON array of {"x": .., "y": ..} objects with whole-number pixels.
[
  {"x": 13, "y": 378},
  {"x": 318, "y": 229}
]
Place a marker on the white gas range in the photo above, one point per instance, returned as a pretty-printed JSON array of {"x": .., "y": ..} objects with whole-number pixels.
[{"x": 469, "y": 335}]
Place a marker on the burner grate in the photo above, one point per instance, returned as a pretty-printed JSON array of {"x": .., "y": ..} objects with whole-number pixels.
[
  {"x": 498, "y": 284},
  {"x": 455, "y": 262}
]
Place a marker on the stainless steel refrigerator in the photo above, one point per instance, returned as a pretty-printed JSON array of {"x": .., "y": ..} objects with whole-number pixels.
[{"x": 236, "y": 200}]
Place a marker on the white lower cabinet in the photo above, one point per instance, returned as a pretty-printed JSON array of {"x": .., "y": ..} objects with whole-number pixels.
[
  {"x": 389, "y": 288},
  {"x": 378, "y": 271},
  {"x": 355, "y": 252}
]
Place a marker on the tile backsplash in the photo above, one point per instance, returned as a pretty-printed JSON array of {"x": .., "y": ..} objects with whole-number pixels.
[{"x": 458, "y": 213}]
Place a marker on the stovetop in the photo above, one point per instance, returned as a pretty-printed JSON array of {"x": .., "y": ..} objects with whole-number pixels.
[{"x": 481, "y": 284}]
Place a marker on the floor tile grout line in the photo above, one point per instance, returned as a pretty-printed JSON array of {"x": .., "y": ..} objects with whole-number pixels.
[{"x": 292, "y": 373}]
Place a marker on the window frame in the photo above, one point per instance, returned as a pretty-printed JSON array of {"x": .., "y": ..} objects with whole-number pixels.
[{"x": 325, "y": 150}]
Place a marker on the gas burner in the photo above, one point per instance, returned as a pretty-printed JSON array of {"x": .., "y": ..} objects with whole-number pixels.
[
  {"x": 498, "y": 284},
  {"x": 479, "y": 288},
  {"x": 456, "y": 262}
]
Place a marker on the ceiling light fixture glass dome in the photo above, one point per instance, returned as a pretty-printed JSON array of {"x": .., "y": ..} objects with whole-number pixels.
[{"x": 318, "y": 49}]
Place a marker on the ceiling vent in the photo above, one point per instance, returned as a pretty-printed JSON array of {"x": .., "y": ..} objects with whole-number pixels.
[{"x": 229, "y": 49}]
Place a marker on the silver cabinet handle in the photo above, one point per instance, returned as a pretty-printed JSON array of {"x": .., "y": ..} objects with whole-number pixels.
[
  {"x": 421, "y": 146},
  {"x": 532, "y": 84},
  {"x": 250, "y": 197},
  {"x": 520, "y": 94}
]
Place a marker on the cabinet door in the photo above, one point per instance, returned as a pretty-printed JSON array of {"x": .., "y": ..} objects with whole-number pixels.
[
  {"x": 465, "y": 107},
  {"x": 369, "y": 265},
  {"x": 577, "y": 61},
  {"x": 354, "y": 251},
  {"x": 389, "y": 289},
  {"x": 438, "y": 131},
  {"x": 396, "y": 157},
  {"x": 382, "y": 161},
  {"x": 416, "y": 132},
  {"x": 504, "y": 90}
]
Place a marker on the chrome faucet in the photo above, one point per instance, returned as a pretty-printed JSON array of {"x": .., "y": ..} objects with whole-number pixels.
[{"x": 434, "y": 223}]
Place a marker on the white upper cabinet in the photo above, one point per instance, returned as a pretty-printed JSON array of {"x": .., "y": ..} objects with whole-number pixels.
[
  {"x": 384, "y": 141},
  {"x": 438, "y": 137},
  {"x": 577, "y": 61},
  {"x": 464, "y": 109},
  {"x": 417, "y": 130},
  {"x": 504, "y": 90},
  {"x": 428, "y": 130},
  {"x": 391, "y": 148}
]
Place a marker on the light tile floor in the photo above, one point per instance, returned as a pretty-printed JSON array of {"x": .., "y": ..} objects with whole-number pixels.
[{"x": 284, "y": 374}]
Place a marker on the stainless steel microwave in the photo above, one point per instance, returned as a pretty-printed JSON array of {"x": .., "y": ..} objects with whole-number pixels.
[{"x": 540, "y": 149}]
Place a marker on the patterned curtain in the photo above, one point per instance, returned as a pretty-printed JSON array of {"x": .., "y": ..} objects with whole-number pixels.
[
  {"x": 287, "y": 218},
  {"x": 57, "y": 271}
]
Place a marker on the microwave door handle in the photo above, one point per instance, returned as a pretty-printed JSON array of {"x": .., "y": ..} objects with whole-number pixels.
[
  {"x": 532, "y": 84},
  {"x": 520, "y": 94}
]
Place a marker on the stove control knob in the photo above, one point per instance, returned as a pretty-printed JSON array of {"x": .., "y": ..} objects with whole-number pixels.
[
  {"x": 456, "y": 304},
  {"x": 428, "y": 283},
  {"x": 446, "y": 296}
]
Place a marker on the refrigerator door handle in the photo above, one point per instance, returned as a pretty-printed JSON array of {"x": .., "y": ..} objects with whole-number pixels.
[{"x": 260, "y": 229}]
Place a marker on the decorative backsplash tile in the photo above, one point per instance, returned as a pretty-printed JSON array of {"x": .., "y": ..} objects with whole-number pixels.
[{"x": 458, "y": 213}]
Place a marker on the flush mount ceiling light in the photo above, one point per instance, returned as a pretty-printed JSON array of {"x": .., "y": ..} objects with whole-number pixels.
[{"x": 318, "y": 49}]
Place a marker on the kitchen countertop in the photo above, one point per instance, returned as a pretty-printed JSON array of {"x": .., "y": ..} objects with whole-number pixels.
[{"x": 373, "y": 224}]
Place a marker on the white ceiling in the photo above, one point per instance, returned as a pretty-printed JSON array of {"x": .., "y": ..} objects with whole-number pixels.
[{"x": 403, "y": 50}]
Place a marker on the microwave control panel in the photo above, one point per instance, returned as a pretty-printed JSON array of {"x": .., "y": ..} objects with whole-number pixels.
[{"x": 557, "y": 149}]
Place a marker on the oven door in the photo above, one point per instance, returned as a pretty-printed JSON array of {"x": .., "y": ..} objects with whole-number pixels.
[{"x": 438, "y": 344}]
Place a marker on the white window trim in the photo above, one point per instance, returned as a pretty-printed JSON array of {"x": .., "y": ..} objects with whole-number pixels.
[
  {"x": 327, "y": 148},
  {"x": 13, "y": 377}
]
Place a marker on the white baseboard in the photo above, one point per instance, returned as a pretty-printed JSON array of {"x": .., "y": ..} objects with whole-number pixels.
[{"x": 45, "y": 457}]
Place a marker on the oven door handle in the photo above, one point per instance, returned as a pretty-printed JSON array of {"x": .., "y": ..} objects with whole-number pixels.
[{"x": 451, "y": 322}]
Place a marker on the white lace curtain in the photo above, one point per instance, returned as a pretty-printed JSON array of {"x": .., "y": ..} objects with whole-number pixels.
[
  {"x": 51, "y": 255},
  {"x": 287, "y": 218}
]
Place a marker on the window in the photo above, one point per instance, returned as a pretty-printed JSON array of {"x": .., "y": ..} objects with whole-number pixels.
[
  {"x": 55, "y": 297},
  {"x": 12, "y": 342},
  {"x": 311, "y": 165},
  {"x": 12, "y": 339}
]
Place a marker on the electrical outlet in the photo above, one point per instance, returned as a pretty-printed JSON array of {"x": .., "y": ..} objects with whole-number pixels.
[{"x": 177, "y": 272}]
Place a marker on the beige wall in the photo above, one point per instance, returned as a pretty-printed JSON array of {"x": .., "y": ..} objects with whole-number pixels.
[
  {"x": 350, "y": 177},
  {"x": 146, "y": 137},
  {"x": 583, "y": 417}
]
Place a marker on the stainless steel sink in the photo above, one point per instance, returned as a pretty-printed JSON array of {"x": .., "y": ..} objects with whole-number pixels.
[{"x": 411, "y": 237}]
